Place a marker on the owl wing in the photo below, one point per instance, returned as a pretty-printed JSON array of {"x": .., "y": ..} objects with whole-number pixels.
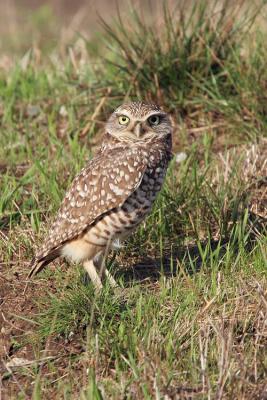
[{"x": 103, "y": 184}]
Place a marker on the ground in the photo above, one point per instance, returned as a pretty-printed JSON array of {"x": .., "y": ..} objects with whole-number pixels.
[{"x": 190, "y": 318}]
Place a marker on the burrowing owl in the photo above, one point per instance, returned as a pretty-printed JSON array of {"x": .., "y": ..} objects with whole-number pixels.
[{"x": 114, "y": 192}]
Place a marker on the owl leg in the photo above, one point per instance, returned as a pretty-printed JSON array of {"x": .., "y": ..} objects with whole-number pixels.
[
  {"x": 103, "y": 271},
  {"x": 110, "y": 279},
  {"x": 92, "y": 272}
]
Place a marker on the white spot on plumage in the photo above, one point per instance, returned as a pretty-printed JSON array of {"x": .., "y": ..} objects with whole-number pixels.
[
  {"x": 115, "y": 189},
  {"x": 109, "y": 197},
  {"x": 82, "y": 194}
]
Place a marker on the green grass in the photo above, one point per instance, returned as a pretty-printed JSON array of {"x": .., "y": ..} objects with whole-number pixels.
[
  {"x": 158, "y": 334},
  {"x": 191, "y": 317}
]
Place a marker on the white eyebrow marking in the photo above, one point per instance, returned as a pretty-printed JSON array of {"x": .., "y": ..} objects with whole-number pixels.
[
  {"x": 160, "y": 113},
  {"x": 122, "y": 113},
  {"x": 135, "y": 119}
]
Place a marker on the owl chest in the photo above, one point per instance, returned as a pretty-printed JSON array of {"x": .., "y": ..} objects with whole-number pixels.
[
  {"x": 139, "y": 204},
  {"x": 123, "y": 220},
  {"x": 151, "y": 183}
]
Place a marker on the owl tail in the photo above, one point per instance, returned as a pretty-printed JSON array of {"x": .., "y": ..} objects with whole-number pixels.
[{"x": 39, "y": 263}]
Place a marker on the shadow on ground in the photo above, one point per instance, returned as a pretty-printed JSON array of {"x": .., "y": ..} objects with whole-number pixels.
[{"x": 191, "y": 257}]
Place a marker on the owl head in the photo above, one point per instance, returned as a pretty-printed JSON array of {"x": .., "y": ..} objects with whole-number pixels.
[{"x": 138, "y": 121}]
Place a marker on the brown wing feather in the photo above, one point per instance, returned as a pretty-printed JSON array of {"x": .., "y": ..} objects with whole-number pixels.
[
  {"x": 37, "y": 265},
  {"x": 104, "y": 184}
]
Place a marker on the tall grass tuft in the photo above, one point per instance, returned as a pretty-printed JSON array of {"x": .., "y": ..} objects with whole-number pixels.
[{"x": 171, "y": 58}]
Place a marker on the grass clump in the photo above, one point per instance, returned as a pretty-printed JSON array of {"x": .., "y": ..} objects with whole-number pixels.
[
  {"x": 175, "y": 333},
  {"x": 192, "y": 60}
]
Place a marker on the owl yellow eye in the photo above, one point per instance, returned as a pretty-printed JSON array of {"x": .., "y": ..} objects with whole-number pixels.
[
  {"x": 123, "y": 120},
  {"x": 154, "y": 120}
]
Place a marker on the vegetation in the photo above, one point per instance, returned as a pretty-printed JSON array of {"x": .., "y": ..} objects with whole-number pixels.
[{"x": 190, "y": 319}]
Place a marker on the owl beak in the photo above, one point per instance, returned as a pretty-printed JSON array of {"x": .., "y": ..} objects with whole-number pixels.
[{"x": 138, "y": 129}]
